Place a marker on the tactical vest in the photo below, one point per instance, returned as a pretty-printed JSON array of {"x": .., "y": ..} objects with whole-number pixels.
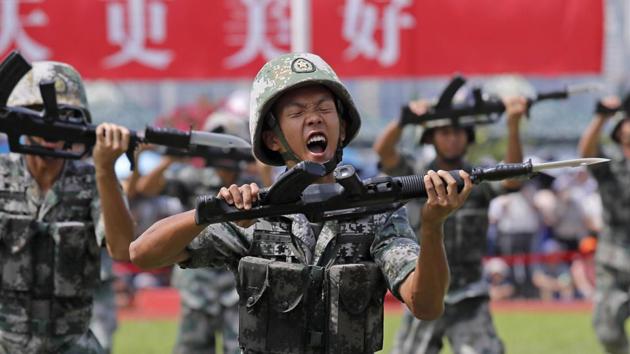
[
  {"x": 49, "y": 260},
  {"x": 333, "y": 306},
  {"x": 465, "y": 233}
]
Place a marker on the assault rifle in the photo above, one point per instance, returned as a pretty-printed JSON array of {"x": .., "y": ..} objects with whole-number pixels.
[
  {"x": 71, "y": 124},
  {"x": 483, "y": 109},
  {"x": 350, "y": 197}
]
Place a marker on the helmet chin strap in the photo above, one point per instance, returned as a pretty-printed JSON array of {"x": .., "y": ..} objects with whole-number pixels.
[{"x": 289, "y": 155}]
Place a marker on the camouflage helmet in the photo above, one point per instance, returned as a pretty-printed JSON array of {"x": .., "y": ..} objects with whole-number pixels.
[
  {"x": 225, "y": 122},
  {"x": 231, "y": 117},
  {"x": 68, "y": 86},
  {"x": 287, "y": 72}
]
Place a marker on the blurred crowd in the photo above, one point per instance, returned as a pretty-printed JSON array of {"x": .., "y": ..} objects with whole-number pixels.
[{"x": 542, "y": 238}]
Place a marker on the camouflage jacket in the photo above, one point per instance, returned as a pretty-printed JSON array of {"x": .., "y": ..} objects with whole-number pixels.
[
  {"x": 613, "y": 247},
  {"x": 465, "y": 233},
  {"x": 49, "y": 249},
  {"x": 351, "y": 258}
]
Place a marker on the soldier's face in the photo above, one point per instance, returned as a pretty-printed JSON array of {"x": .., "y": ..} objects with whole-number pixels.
[
  {"x": 450, "y": 142},
  {"x": 309, "y": 121},
  {"x": 57, "y": 145}
]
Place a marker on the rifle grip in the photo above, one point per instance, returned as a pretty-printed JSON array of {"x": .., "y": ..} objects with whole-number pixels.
[{"x": 407, "y": 117}]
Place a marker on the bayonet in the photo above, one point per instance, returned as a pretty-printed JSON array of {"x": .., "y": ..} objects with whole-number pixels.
[{"x": 537, "y": 167}]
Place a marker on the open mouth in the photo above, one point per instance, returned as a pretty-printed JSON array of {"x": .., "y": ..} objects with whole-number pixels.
[{"x": 317, "y": 143}]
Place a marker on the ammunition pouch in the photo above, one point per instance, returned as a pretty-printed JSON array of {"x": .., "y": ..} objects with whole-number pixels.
[
  {"x": 16, "y": 261},
  {"x": 77, "y": 259},
  {"x": 76, "y": 255},
  {"x": 355, "y": 296},
  {"x": 295, "y": 308}
]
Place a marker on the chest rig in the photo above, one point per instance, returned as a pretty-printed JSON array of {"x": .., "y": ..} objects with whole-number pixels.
[
  {"x": 49, "y": 256},
  {"x": 299, "y": 296},
  {"x": 465, "y": 234}
]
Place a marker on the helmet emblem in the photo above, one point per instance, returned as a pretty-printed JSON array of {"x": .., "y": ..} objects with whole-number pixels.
[{"x": 301, "y": 65}]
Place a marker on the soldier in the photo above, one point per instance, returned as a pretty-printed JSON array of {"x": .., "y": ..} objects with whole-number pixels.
[
  {"x": 312, "y": 287},
  {"x": 209, "y": 301},
  {"x": 54, "y": 216},
  {"x": 467, "y": 322},
  {"x": 612, "y": 257}
]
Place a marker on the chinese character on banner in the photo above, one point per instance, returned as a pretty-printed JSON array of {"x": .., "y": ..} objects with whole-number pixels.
[
  {"x": 12, "y": 29},
  {"x": 266, "y": 31},
  {"x": 146, "y": 22},
  {"x": 362, "y": 23}
]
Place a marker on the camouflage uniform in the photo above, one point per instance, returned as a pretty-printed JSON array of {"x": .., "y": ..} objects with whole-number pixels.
[
  {"x": 209, "y": 299},
  {"x": 311, "y": 288},
  {"x": 612, "y": 296},
  {"x": 104, "y": 322},
  {"x": 308, "y": 287},
  {"x": 49, "y": 259},
  {"x": 466, "y": 321}
]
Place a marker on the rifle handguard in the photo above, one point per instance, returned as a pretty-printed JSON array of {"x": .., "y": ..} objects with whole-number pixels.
[{"x": 501, "y": 172}]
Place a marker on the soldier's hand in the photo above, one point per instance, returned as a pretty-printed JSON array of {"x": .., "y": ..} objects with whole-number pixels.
[
  {"x": 419, "y": 107},
  {"x": 442, "y": 195},
  {"x": 242, "y": 197},
  {"x": 607, "y": 107},
  {"x": 515, "y": 108},
  {"x": 111, "y": 141}
]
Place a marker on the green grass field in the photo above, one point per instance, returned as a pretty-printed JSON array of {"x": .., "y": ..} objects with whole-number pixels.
[{"x": 523, "y": 333}]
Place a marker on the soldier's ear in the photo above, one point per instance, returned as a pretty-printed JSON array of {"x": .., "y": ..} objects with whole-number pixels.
[{"x": 271, "y": 141}]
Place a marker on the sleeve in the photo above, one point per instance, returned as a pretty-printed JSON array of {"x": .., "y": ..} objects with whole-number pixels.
[
  {"x": 404, "y": 167},
  {"x": 395, "y": 250},
  {"x": 219, "y": 245}
]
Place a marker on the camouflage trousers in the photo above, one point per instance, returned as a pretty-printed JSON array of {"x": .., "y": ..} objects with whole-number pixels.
[
  {"x": 12, "y": 343},
  {"x": 612, "y": 308},
  {"x": 197, "y": 331},
  {"x": 467, "y": 325},
  {"x": 103, "y": 323}
]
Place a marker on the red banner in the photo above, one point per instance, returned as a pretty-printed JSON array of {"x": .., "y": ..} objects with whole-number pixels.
[{"x": 200, "y": 39}]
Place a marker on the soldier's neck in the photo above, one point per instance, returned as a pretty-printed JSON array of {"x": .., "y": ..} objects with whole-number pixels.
[{"x": 44, "y": 170}]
